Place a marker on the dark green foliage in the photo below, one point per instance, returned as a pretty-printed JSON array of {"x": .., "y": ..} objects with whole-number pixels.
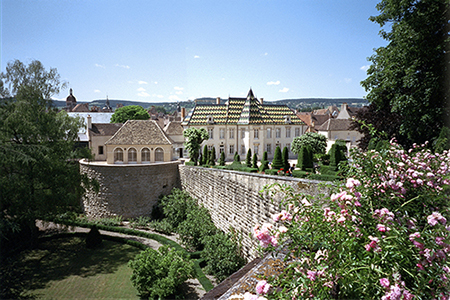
[
  {"x": 409, "y": 76},
  {"x": 255, "y": 161},
  {"x": 265, "y": 156},
  {"x": 222, "y": 256},
  {"x": 248, "y": 158},
  {"x": 237, "y": 158},
  {"x": 162, "y": 226},
  {"x": 382, "y": 145},
  {"x": 277, "y": 162},
  {"x": 140, "y": 221},
  {"x": 176, "y": 206},
  {"x": 222, "y": 159},
  {"x": 212, "y": 157},
  {"x": 443, "y": 141},
  {"x": 93, "y": 238},
  {"x": 158, "y": 274},
  {"x": 305, "y": 158},
  {"x": 271, "y": 172},
  {"x": 336, "y": 155},
  {"x": 285, "y": 159},
  {"x": 195, "y": 228},
  {"x": 205, "y": 156},
  {"x": 194, "y": 139},
  {"x": 131, "y": 112},
  {"x": 264, "y": 163}
]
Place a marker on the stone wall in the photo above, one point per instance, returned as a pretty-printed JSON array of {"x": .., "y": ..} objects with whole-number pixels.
[
  {"x": 127, "y": 190},
  {"x": 234, "y": 199}
]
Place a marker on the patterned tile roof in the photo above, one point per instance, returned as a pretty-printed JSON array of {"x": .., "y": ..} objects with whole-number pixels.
[
  {"x": 240, "y": 111},
  {"x": 140, "y": 132}
]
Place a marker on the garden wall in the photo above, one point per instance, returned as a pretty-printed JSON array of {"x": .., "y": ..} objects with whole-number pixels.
[
  {"x": 233, "y": 198},
  {"x": 127, "y": 190}
]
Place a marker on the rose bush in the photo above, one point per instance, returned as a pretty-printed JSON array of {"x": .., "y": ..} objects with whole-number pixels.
[{"x": 382, "y": 234}]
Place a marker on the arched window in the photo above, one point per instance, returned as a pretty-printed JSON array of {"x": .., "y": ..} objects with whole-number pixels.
[
  {"x": 118, "y": 155},
  {"x": 159, "y": 154},
  {"x": 145, "y": 155},
  {"x": 132, "y": 155}
]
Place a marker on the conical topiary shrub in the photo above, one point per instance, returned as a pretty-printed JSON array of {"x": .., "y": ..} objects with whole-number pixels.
[
  {"x": 285, "y": 159},
  {"x": 212, "y": 157},
  {"x": 222, "y": 159},
  {"x": 305, "y": 158},
  {"x": 93, "y": 238},
  {"x": 248, "y": 158},
  {"x": 205, "y": 156},
  {"x": 255, "y": 161},
  {"x": 264, "y": 163},
  {"x": 277, "y": 162}
]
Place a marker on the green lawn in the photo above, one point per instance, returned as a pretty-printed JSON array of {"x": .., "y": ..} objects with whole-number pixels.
[{"x": 64, "y": 268}]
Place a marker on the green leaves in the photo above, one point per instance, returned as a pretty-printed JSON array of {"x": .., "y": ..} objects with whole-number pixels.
[
  {"x": 194, "y": 139},
  {"x": 317, "y": 142},
  {"x": 130, "y": 112}
]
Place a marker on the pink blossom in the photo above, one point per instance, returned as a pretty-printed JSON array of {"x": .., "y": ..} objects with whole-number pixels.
[
  {"x": 382, "y": 228},
  {"x": 283, "y": 229},
  {"x": 384, "y": 282},
  {"x": 249, "y": 296},
  {"x": 262, "y": 287},
  {"x": 351, "y": 183},
  {"x": 312, "y": 275},
  {"x": 435, "y": 217}
]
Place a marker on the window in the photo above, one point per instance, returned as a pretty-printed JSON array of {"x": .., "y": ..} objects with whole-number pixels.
[
  {"x": 132, "y": 155},
  {"x": 211, "y": 133},
  {"x": 118, "y": 155},
  {"x": 210, "y": 147},
  {"x": 269, "y": 148},
  {"x": 297, "y": 132},
  {"x": 288, "y": 132},
  {"x": 243, "y": 133},
  {"x": 242, "y": 149},
  {"x": 256, "y": 133},
  {"x": 255, "y": 149},
  {"x": 221, "y": 133},
  {"x": 231, "y": 149},
  {"x": 145, "y": 154},
  {"x": 277, "y": 133},
  {"x": 221, "y": 148},
  {"x": 231, "y": 133},
  {"x": 159, "y": 154},
  {"x": 100, "y": 150},
  {"x": 269, "y": 133}
]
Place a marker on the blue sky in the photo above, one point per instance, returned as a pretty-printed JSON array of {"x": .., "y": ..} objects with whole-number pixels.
[{"x": 173, "y": 50}]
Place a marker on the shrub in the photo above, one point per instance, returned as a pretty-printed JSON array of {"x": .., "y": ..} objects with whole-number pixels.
[
  {"x": 248, "y": 158},
  {"x": 162, "y": 226},
  {"x": 112, "y": 221},
  {"x": 212, "y": 157},
  {"x": 305, "y": 158},
  {"x": 222, "y": 256},
  {"x": 277, "y": 162},
  {"x": 158, "y": 274},
  {"x": 195, "y": 228},
  {"x": 300, "y": 174},
  {"x": 93, "y": 238},
  {"x": 222, "y": 159},
  {"x": 176, "y": 206},
  {"x": 336, "y": 155},
  {"x": 285, "y": 159},
  {"x": 237, "y": 158},
  {"x": 271, "y": 172},
  {"x": 190, "y": 163},
  {"x": 140, "y": 221}
]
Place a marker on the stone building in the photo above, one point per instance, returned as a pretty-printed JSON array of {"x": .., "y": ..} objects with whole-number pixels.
[
  {"x": 246, "y": 123},
  {"x": 175, "y": 131},
  {"x": 139, "y": 141}
]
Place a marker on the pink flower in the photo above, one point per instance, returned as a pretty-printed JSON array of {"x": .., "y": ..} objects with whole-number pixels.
[
  {"x": 262, "y": 287},
  {"x": 249, "y": 296},
  {"x": 312, "y": 275},
  {"x": 435, "y": 217},
  {"x": 351, "y": 183},
  {"x": 384, "y": 282},
  {"x": 283, "y": 229},
  {"x": 382, "y": 228}
]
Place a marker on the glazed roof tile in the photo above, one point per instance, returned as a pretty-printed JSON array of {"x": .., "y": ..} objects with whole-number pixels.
[{"x": 140, "y": 132}]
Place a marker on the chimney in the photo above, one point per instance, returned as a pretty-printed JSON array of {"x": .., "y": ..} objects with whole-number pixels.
[
  {"x": 218, "y": 100},
  {"x": 261, "y": 100},
  {"x": 344, "y": 106},
  {"x": 89, "y": 122},
  {"x": 183, "y": 113}
]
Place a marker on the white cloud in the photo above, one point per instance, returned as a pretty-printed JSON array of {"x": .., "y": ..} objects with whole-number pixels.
[
  {"x": 365, "y": 68},
  {"x": 122, "y": 66},
  {"x": 284, "y": 90},
  {"x": 273, "y": 82},
  {"x": 99, "y": 66},
  {"x": 174, "y": 97},
  {"x": 156, "y": 82},
  {"x": 142, "y": 82},
  {"x": 347, "y": 80},
  {"x": 97, "y": 91},
  {"x": 158, "y": 96},
  {"x": 178, "y": 88},
  {"x": 265, "y": 54},
  {"x": 196, "y": 56},
  {"x": 143, "y": 94},
  {"x": 179, "y": 93},
  {"x": 141, "y": 89}
]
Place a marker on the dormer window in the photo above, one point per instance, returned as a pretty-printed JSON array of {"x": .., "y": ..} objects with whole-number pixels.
[
  {"x": 210, "y": 119},
  {"x": 287, "y": 119}
]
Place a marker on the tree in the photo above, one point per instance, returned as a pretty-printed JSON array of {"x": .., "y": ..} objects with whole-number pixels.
[
  {"x": 317, "y": 142},
  {"x": 285, "y": 159},
  {"x": 212, "y": 157},
  {"x": 39, "y": 177},
  {"x": 277, "y": 162},
  {"x": 130, "y": 112},
  {"x": 248, "y": 158},
  {"x": 222, "y": 159},
  {"x": 305, "y": 159},
  {"x": 255, "y": 161},
  {"x": 264, "y": 163},
  {"x": 194, "y": 138},
  {"x": 205, "y": 156},
  {"x": 409, "y": 77}
]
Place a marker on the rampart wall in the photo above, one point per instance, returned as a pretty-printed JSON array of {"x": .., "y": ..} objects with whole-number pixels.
[
  {"x": 128, "y": 190},
  {"x": 234, "y": 199}
]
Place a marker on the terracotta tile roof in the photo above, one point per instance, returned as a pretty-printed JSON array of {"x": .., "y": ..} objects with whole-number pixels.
[
  {"x": 335, "y": 125},
  {"x": 173, "y": 128},
  {"x": 104, "y": 129},
  {"x": 240, "y": 111},
  {"x": 140, "y": 132}
]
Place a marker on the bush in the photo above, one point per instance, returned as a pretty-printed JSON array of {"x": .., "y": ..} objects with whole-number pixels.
[
  {"x": 285, "y": 159},
  {"x": 300, "y": 174},
  {"x": 305, "y": 158},
  {"x": 277, "y": 162},
  {"x": 222, "y": 159},
  {"x": 195, "y": 228},
  {"x": 176, "y": 207},
  {"x": 271, "y": 172},
  {"x": 336, "y": 155},
  {"x": 222, "y": 256},
  {"x": 255, "y": 161},
  {"x": 248, "y": 158},
  {"x": 158, "y": 274},
  {"x": 327, "y": 170},
  {"x": 112, "y": 221},
  {"x": 323, "y": 177},
  {"x": 93, "y": 238},
  {"x": 190, "y": 163},
  {"x": 140, "y": 221},
  {"x": 212, "y": 157},
  {"x": 162, "y": 226}
]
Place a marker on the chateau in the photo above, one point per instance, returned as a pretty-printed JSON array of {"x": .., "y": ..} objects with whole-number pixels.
[{"x": 246, "y": 123}]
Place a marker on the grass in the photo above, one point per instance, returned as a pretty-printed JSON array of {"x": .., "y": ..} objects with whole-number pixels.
[{"x": 64, "y": 268}]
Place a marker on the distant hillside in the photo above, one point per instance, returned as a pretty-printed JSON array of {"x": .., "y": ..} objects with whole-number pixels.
[{"x": 299, "y": 104}]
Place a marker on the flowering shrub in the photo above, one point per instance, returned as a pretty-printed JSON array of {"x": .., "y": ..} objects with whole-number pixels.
[{"x": 382, "y": 234}]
